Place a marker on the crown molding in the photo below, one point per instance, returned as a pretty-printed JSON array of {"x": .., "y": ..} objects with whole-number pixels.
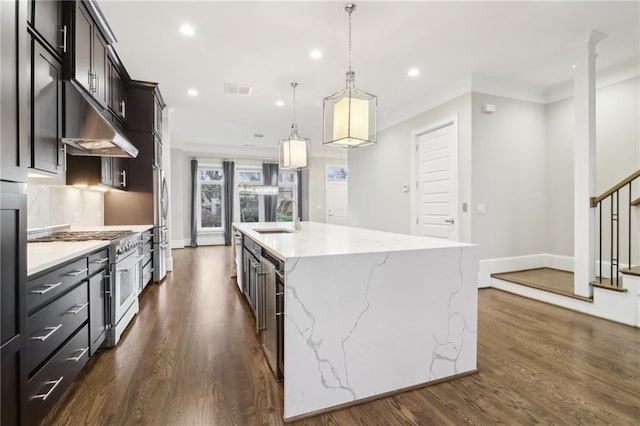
[{"x": 606, "y": 77}]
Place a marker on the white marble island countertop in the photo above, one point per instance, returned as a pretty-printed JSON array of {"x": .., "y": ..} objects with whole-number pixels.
[
  {"x": 321, "y": 239},
  {"x": 42, "y": 256},
  {"x": 367, "y": 313}
]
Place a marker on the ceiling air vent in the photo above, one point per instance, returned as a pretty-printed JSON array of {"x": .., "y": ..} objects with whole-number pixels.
[{"x": 236, "y": 89}]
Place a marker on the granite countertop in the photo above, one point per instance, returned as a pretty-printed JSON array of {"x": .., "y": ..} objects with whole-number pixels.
[
  {"x": 320, "y": 239},
  {"x": 42, "y": 256}
]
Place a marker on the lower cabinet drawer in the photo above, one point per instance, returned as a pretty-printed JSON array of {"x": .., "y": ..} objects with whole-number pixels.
[
  {"x": 48, "y": 385},
  {"x": 53, "y": 324}
]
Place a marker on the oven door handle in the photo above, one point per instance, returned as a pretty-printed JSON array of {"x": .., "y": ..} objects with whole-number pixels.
[{"x": 128, "y": 264}]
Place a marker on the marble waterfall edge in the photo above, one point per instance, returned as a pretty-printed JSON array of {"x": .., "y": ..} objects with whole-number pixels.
[{"x": 358, "y": 325}]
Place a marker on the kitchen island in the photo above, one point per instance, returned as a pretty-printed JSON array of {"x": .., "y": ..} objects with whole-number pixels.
[{"x": 368, "y": 313}]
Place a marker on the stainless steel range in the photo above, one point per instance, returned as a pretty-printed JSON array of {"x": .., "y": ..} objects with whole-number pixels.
[{"x": 125, "y": 274}]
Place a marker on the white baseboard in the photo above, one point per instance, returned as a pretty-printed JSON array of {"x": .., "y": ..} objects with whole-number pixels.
[
  {"x": 169, "y": 263},
  {"x": 177, "y": 244}
]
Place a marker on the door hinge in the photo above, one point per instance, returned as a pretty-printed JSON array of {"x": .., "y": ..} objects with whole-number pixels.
[
  {"x": 416, "y": 221},
  {"x": 416, "y": 147},
  {"x": 417, "y": 185}
]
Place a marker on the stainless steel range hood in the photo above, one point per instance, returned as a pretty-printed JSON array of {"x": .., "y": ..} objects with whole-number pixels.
[{"x": 88, "y": 132}]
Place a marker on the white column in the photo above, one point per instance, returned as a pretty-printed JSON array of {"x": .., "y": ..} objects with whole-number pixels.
[{"x": 585, "y": 166}]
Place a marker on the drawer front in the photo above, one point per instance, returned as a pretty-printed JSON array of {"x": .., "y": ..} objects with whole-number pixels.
[
  {"x": 51, "y": 326},
  {"x": 47, "y": 287},
  {"x": 48, "y": 385},
  {"x": 98, "y": 261}
]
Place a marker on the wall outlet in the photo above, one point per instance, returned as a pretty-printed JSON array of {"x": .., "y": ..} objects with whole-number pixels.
[
  {"x": 464, "y": 207},
  {"x": 405, "y": 188}
]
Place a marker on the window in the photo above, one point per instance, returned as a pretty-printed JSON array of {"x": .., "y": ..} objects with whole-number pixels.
[
  {"x": 210, "y": 181},
  {"x": 287, "y": 196},
  {"x": 337, "y": 173},
  {"x": 250, "y": 204}
]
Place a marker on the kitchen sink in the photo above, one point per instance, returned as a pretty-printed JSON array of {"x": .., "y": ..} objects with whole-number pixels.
[{"x": 274, "y": 231}]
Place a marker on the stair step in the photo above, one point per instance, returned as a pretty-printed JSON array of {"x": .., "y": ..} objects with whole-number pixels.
[
  {"x": 606, "y": 284},
  {"x": 632, "y": 271}
]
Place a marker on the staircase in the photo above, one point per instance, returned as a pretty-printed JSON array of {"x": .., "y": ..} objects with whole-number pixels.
[{"x": 618, "y": 198}]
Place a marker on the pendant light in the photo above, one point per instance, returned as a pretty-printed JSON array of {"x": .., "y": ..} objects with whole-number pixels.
[
  {"x": 294, "y": 150},
  {"x": 350, "y": 116}
]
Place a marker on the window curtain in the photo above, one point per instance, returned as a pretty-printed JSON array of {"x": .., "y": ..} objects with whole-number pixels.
[
  {"x": 228, "y": 168},
  {"x": 299, "y": 196},
  {"x": 195, "y": 203},
  {"x": 270, "y": 174}
]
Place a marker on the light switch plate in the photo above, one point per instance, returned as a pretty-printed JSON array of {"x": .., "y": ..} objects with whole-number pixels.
[{"x": 481, "y": 209}]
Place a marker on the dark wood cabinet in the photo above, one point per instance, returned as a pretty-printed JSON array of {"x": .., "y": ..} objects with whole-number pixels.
[
  {"x": 117, "y": 98},
  {"x": 90, "y": 55},
  {"x": 46, "y": 18},
  {"x": 47, "y": 111},
  {"x": 83, "y": 43},
  {"x": 15, "y": 69},
  {"x": 89, "y": 171},
  {"x": 13, "y": 297},
  {"x": 145, "y": 107}
]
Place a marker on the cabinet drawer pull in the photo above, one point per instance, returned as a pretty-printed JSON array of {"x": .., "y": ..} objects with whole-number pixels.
[
  {"x": 77, "y": 358},
  {"x": 123, "y": 182},
  {"x": 46, "y": 288},
  {"x": 122, "y": 108},
  {"x": 46, "y": 336},
  {"x": 280, "y": 294},
  {"x": 100, "y": 261},
  {"x": 76, "y": 273},
  {"x": 55, "y": 384},
  {"x": 78, "y": 309}
]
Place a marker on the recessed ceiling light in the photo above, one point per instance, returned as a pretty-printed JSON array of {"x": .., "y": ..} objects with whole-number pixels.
[
  {"x": 187, "y": 30},
  {"x": 573, "y": 66},
  {"x": 192, "y": 92},
  {"x": 413, "y": 72},
  {"x": 315, "y": 54},
  {"x": 279, "y": 103}
]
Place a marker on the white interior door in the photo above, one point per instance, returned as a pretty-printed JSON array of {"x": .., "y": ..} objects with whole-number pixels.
[
  {"x": 437, "y": 183},
  {"x": 337, "y": 202}
]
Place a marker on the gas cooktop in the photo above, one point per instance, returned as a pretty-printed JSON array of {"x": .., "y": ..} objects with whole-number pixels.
[{"x": 81, "y": 236}]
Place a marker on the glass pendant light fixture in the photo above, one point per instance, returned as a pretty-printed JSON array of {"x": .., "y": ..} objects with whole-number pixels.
[
  {"x": 350, "y": 116},
  {"x": 294, "y": 149}
]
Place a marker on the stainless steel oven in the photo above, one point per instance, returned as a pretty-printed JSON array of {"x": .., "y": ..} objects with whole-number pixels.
[{"x": 126, "y": 277}]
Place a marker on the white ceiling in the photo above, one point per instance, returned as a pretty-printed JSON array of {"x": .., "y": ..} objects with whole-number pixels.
[{"x": 267, "y": 44}]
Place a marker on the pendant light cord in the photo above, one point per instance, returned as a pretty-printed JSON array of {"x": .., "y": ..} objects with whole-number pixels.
[
  {"x": 293, "y": 125},
  {"x": 350, "y": 11}
]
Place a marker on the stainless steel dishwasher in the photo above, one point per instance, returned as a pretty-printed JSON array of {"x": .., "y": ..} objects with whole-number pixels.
[{"x": 267, "y": 317}]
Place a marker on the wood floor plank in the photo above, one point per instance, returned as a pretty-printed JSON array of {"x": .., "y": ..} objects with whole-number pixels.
[{"x": 191, "y": 357}]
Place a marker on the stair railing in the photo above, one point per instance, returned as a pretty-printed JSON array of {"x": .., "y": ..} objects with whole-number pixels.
[{"x": 613, "y": 195}]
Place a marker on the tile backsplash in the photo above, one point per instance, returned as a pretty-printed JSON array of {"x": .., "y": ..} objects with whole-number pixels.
[{"x": 49, "y": 205}]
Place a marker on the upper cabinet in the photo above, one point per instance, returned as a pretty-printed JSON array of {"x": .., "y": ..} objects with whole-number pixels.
[
  {"x": 46, "y": 18},
  {"x": 146, "y": 109},
  {"x": 118, "y": 80},
  {"x": 47, "y": 111},
  {"x": 14, "y": 89},
  {"x": 89, "y": 55}
]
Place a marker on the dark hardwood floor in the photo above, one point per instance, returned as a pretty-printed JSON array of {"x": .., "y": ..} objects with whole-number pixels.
[{"x": 191, "y": 357}]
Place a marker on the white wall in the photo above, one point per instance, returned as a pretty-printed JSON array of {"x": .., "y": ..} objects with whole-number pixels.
[
  {"x": 617, "y": 155},
  {"x": 508, "y": 177},
  {"x": 377, "y": 173},
  {"x": 176, "y": 198},
  {"x": 50, "y": 203}
]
